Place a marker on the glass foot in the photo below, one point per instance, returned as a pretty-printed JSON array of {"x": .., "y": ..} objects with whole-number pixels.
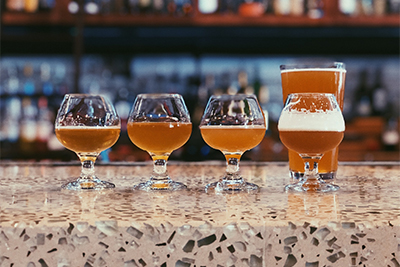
[
  {"x": 327, "y": 176},
  {"x": 231, "y": 187},
  {"x": 160, "y": 186},
  {"x": 319, "y": 186},
  {"x": 88, "y": 184}
]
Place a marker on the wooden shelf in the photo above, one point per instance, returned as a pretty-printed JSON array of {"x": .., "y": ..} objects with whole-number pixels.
[
  {"x": 63, "y": 18},
  {"x": 60, "y": 16},
  {"x": 36, "y": 19}
]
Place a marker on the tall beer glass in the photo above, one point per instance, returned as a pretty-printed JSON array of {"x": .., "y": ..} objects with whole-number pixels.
[
  {"x": 311, "y": 124},
  {"x": 319, "y": 78},
  {"x": 87, "y": 124}
]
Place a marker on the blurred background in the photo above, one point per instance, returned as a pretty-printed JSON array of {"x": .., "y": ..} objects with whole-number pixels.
[{"x": 196, "y": 48}]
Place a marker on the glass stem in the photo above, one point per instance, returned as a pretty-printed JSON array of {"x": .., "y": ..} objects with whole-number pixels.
[
  {"x": 87, "y": 171},
  {"x": 311, "y": 176},
  {"x": 232, "y": 168},
  {"x": 160, "y": 172}
]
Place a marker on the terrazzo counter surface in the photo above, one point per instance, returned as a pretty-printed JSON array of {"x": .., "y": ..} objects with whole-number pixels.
[{"x": 42, "y": 225}]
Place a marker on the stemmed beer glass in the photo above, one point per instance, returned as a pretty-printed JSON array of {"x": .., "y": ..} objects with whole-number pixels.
[
  {"x": 87, "y": 124},
  {"x": 311, "y": 124},
  {"x": 159, "y": 124},
  {"x": 232, "y": 124}
]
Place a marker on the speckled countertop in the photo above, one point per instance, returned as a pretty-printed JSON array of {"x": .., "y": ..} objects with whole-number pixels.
[{"x": 42, "y": 225}]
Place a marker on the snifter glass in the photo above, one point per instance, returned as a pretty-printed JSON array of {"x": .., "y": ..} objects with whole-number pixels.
[
  {"x": 159, "y": 124},
  {"x": 232, "y": 124},
  {"x": 311, "y": 124},
  {"x": 87, "y": 124}
]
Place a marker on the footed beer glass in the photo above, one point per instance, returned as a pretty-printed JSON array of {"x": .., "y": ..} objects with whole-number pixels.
[
  {"x": 159, "y": 124},
  {"x": 87, "y": 124},
  {"x": 311, "y": 124},
  {"x": 232, "y": 124}
]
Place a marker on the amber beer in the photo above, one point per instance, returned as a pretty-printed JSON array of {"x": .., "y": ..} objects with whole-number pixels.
[
  {"x": 159, "y": 137},
  {"x": 311, "y": 142},
  {"x": 85, "y": 139},
  {"x": 310, "y": 79},
  {"x": 233, "y": 138}
]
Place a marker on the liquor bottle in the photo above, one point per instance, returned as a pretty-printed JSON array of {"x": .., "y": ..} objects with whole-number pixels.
[
  {"x": 281, "y": 7},
  {"x": 297, "y": 7},
  {"x": 12, "y": 85},
  {"x": 31, "y": 6},
  {"x": 29, "y": 83},
  {"x": 379, "y": 7},
  {"x": 226, "y": 6},
  {"x": 28, "y": 130},
  {"x": 44, "y": 125},
  {"x": 73, "y": 7},
  {"x": 120, "y": 7},
  {"x": 362, "y": 101},
  {"x": 133, "y": 6},
  {"x": 380, "y": 96},
  {"x": 91, "y": 7},
  {"x": 171, "y": 7},
  {"x": 11, "y": 125},
  {"x": 123, "y": 106},
  {"x": 262, "y": 92},
  {"x": 208, "y": 6},
  {"x": 187, "y": 7},
  {"x": 144, "y": 6},
  {"x": 158, "y": 6},
  {"x": 367, "y": 7},
  {"x": 46, "y": 5},
  {"x": 315, "y": 9},
  {"x": 15, "y": 5},
  {"x": 391, "y": 136},
  {"x": 257, "y": 82},
  {"x": 243, "y": 82},
  {"x": 348, "y": 7},
  {"x": 393, "y": 7},
  {"x": 251, "y": 8},
  {"x": 179, "y": 8}
]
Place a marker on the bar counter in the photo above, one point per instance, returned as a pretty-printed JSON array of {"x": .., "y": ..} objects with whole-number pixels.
[{"x": 42, "y": 225}]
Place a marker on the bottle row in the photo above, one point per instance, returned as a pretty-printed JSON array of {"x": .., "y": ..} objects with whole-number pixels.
[
  {"x": 251, "y": 8},
  {"x": 31, "y": 90}
]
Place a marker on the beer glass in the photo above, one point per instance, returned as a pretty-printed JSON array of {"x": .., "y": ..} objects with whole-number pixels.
[
  {"x": 87, "y": 124},
  {"x": 159, "y": 124},
  {"x": 232, "y": 124},
  {"x": 311, "y": 124},
  {"x": 318, "y": 78}
]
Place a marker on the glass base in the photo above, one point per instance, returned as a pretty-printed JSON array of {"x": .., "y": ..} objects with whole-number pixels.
[
  {"x": 160, "y": 186},
  {"x": 231, "y": 186},
  {"x": 88, "y": 184},
  {"x": 319, "y": 186},
  {"x": 327, "y": 177}
]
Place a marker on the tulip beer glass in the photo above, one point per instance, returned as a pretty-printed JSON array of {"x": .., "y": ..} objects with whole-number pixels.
[
  {"x": 232, "y": 124},
  {"x": 311, "y": 124},
  {"x": 314, "y": 78},
  {"x": 159, "y": 124},
  {"x": 87, "y": 124}
]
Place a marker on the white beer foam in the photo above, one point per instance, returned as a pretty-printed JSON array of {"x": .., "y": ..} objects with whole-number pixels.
[
  {"x": 311, "y": 121},
  {"x": 314, "y": 69}
]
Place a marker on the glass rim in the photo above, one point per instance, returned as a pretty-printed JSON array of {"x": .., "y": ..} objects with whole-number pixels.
[
  {"x": 312, "y": 94},
  {"x": 158, "y": 95},
  {"x": 235, "y": 96},
  {"x": 314, "y": 65},
  {"x": 84, "y": 94}
]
